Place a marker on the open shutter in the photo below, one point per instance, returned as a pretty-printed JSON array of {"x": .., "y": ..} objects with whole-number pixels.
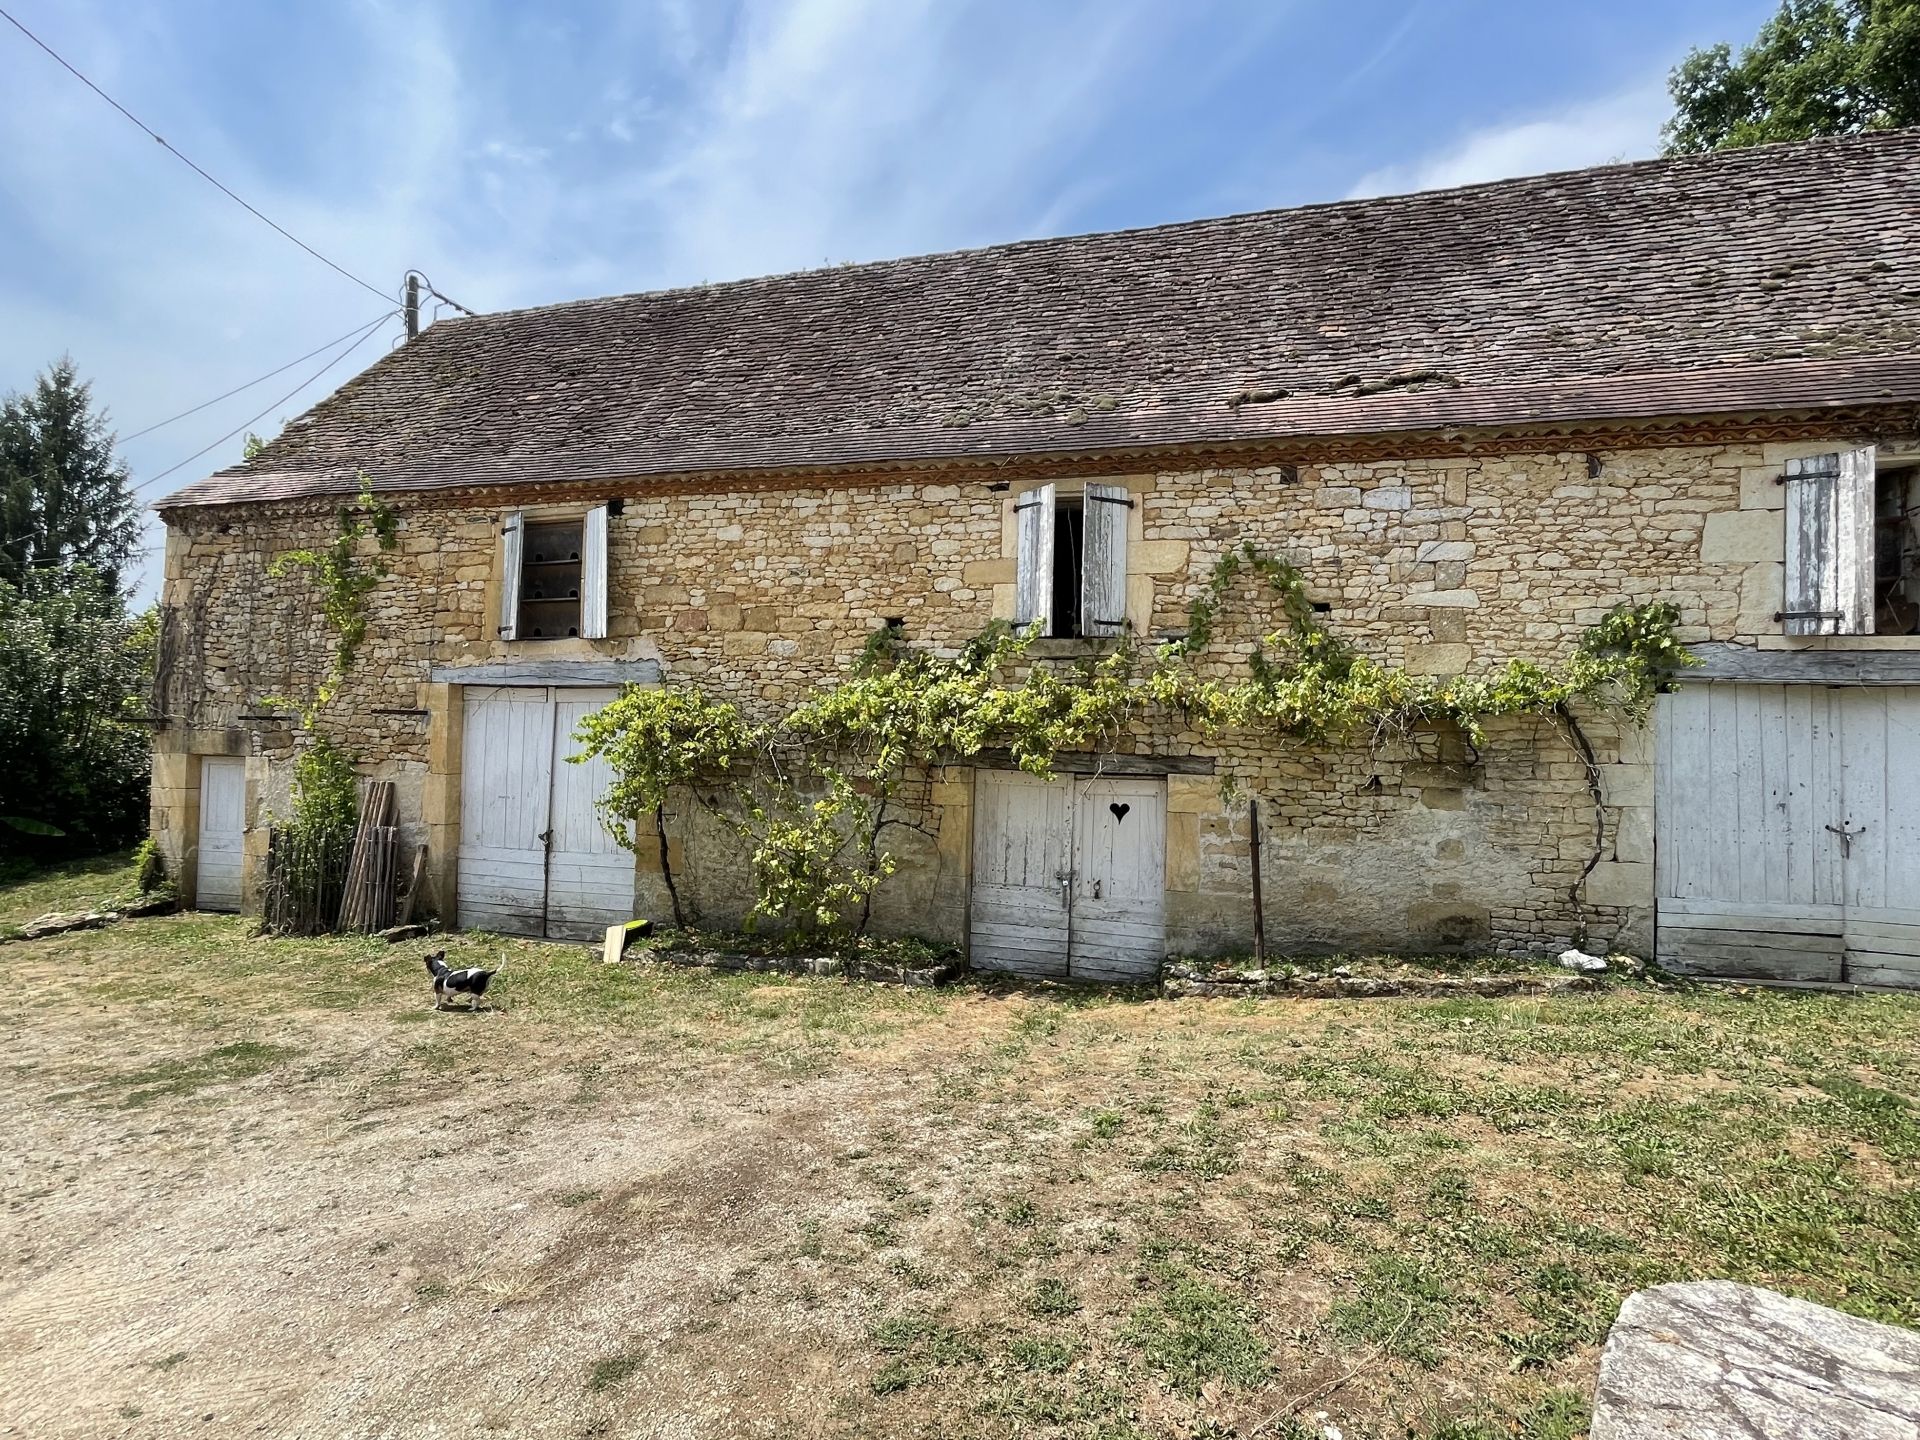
[
  {"x": 1829, "y": 589},
  {"x": 1103, "y": 561},
  {"x": 593, "y": 575},
  {"x": 1033, "y": 572},
  {"x": 1855, "y": 525},
  {"x": 513, "y": 535}
]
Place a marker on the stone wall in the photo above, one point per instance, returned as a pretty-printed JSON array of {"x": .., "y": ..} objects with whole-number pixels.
[{"x": 1445, "y": 566}]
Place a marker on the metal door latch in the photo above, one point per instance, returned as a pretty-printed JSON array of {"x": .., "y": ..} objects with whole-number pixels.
[{"x": 1846, "y": 832}]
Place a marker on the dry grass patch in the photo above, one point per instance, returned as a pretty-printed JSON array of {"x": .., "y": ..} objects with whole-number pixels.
[{"x": 650, "y": 1200}]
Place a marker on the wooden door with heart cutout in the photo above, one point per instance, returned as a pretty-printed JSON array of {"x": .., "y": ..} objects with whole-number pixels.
[{"x": 1118, "y": 925}]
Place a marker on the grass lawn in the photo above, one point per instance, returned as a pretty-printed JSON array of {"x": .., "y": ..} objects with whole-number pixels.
[{"x": 261, "y": 1181}]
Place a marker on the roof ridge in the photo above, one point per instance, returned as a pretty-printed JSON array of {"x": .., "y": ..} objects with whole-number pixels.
[{"x": 1705, "y": 160}]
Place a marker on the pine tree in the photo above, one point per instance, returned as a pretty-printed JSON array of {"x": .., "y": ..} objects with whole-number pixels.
[{"x": 64, "y": 496}]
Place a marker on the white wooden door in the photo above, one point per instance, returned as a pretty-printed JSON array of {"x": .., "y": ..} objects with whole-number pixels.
[
  {"x": 1787, "y": 845},
  {"x": 506, "y": 782},
  {"x": 1880, "y": 840},
  {"x": 223, "y": 827},
  {"x": 534, "y": 859},
  {"x": 589, "y": 873},
  {"x": 1021, "y": 862},
  {"x": 1118, "y": 923},
  {"x": 1069, "y": 876}
]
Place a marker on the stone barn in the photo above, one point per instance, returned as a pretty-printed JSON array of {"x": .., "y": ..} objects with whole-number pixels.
[{"x": 1474, "y": 419}]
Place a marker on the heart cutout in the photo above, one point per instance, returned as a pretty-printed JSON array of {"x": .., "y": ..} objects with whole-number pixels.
[{"x": 1119, "y": 810}]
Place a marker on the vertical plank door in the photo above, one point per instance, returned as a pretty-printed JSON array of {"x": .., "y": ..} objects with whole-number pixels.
[
  {"x": 1879, "y": 732},
  {"x": 1119, "y": 930},
  {"x": 1020, "y": 900},
  {"x": 506, "y": 782},
  {"x": 223, "y": 825},
  {"x": 1747, "y": 870},
  {"x": 589, "y": 873}
]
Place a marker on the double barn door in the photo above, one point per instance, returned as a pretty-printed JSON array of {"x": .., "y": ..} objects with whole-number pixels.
[
  {"x": 1788, "y": 832},
  {"x": 534, "y": 856},
  {"x": 1069, "y": 876}
]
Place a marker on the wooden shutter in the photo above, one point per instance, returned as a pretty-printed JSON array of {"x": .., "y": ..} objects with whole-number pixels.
[
  {"x": 1103, "y": 561},
  {"x": 1855, "y": 526},
  {"x": 1829, "y": 589},
  {"x": 513, "y": 534},
  {"x": 593, "y": 575},
  {"x": 1033, "y": 572}
]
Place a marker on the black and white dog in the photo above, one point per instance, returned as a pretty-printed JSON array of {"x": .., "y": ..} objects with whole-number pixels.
[{"x": 471, "y": 983}]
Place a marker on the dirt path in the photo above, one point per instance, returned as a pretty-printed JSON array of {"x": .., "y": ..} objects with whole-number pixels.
[{"x": 329, "y": 1248}]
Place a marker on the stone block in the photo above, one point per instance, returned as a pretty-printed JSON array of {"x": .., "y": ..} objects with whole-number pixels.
[
  {"x": 1737, "y": 535},
  {"x": 1620, "y": 882},
  {"x": 1337, "y": 497},
  {"x": 1387, "y": 497},
  {"x": 1157, "y": 557},
  {"x": 1436, "y": 797},
  {"x": 982, "y": 573},
  {"x": 1626, "y": 784},
  {"x": 1448, "y": 627},
  {"x": 1183, "y": 850},
  {"x": 1760, "y": 488},
  {"x": 1452, "y": 599},
  {"x": 1438, "y": 659},
  {"x": 1439, "y": 550},
  {"x": 1633, "y": 839},
  {"x": 1192, "y": 795}
]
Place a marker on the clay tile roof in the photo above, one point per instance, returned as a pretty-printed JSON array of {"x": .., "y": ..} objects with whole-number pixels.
[{"x": 1779, "y": 277}]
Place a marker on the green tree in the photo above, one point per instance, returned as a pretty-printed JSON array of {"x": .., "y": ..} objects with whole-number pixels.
[
  {"x": 1819, "y": 67},
  {"x": 74, "y": 668},
  {"x": 64, "y": 497}
]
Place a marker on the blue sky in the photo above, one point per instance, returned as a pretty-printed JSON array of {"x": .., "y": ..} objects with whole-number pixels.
[{"x": 526, "y": 153}]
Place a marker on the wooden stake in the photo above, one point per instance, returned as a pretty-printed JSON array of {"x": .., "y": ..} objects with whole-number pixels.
[
  {"x": 1259, "y": 906},
  {"x": 405, "y": 917}
]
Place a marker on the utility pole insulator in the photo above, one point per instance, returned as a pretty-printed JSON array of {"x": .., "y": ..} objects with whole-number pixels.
[{"x": 413, "y": 305}]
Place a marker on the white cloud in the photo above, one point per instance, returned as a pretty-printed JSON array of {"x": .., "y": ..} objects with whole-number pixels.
[{"x": 1619, "y": 127}]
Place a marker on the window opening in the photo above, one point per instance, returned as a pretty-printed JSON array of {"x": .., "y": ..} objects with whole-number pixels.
[
  {"x": 1896, "y": 552},
  {"x": 550, "y": 581},
  {"x": 1069, "y": 531}
]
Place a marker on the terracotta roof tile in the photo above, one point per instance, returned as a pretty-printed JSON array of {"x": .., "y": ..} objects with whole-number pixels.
[{"x": 1779, "y": 277}]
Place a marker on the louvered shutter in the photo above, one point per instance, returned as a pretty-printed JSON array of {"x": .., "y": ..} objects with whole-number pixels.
[
  {"x": 1829, "y": 582},
  {"x": 1033, "y": 572},
  {"x": 512, "y": 539},
  {"x": 593, "y": 575},
  {"x": 1103, "y": 561}
]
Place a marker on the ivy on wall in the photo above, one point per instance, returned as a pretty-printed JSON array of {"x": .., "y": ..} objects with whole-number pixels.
[{"x": 815, "y": 792}]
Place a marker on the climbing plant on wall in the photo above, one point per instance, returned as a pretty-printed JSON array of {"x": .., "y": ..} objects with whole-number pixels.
[
  {"x": 816, "y": 791},
  {"x": 345, "y": 578}
]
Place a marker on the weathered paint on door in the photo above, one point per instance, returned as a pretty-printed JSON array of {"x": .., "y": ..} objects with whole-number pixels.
[
  {"x": 1020, "y": 874},
  {"x": 1119, "y": 878},
  {"x": 589, "y": 873},
  {"x": 1069, "y": 876},
  {"x": 223, "y": 826},
  {"x": 534, "y": 858},
  {"x": 1787, "y": 823}
]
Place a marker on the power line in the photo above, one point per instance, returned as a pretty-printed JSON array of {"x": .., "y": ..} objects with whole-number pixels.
[
  {"x": 363, "y": 336},
  {"x": 258, "y": 379},
  {"x": 188, "y": 163}
]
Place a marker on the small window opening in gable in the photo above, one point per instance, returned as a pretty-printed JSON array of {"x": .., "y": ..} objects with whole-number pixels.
[
  {"x": 1896, "y": 537},
  {"x": 550, "y": 575},
  {"x": 1069, "y": 540}
]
